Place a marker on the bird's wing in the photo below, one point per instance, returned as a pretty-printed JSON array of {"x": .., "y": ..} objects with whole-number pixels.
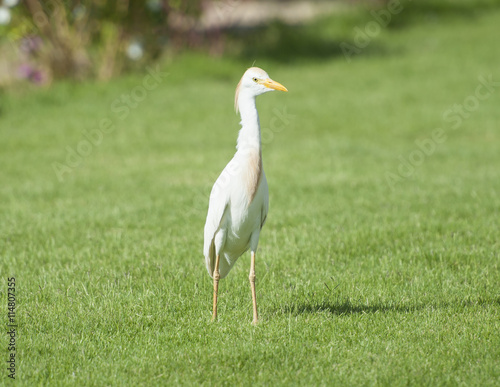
[
  {"x": 265, "y": 204},
  {"x": 217, "y": 208},
  {"x": 263, "y": 217}
]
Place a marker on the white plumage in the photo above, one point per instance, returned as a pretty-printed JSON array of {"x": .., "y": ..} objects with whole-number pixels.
[{"x": 239, "y": 200}]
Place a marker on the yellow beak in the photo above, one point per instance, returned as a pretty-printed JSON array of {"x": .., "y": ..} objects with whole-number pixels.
[{"x": 273, "y": 84}]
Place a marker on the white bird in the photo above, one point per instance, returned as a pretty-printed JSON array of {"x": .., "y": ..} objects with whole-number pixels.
[{"x": 239, "y": 200}]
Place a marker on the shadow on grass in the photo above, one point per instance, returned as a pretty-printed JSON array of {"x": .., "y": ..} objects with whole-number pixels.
[
  {"x": 347, "y": 307},
  {"x": 436, "y": 11},
  {"x": 319, "y": 41},
  {"x": 284, "y": 43}
]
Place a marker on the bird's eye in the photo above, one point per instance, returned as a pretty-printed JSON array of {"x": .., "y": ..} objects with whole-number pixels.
[{"x": 255, "y": 79}]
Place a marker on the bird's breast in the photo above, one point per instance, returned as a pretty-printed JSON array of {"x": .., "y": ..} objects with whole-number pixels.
[{"x": 252, "y": 173}]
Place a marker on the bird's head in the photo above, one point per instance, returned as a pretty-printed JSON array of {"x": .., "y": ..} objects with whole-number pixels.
[{"x": 254, "y": 82}]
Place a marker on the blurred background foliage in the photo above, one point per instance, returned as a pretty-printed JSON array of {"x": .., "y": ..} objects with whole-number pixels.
[
  {"x": 55, "y": 39},
  {"x": 42, "y": 41}
]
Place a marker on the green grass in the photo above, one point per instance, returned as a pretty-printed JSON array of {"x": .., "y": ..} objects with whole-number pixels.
[{"x": 359, "y": 282}]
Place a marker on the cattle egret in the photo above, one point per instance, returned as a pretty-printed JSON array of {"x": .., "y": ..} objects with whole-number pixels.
[{"x": 239, "y": 199}]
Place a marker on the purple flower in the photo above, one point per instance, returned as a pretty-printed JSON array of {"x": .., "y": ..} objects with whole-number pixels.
[
  {"x": 28, "y": 72},
  {"x": 37, "y": 77},
  {"x": 25, "y": 70}
]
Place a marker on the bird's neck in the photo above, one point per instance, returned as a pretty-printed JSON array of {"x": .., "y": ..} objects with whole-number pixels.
[{"x": 249, "y": 135}]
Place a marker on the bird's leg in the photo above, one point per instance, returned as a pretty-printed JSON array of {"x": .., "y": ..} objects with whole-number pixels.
[
  {"x": 216, "y": 287},
  {"x": 251, "y": 277}
]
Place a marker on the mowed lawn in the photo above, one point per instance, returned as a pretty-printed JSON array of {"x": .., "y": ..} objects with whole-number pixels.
[{"x": 379, "y": 261}]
